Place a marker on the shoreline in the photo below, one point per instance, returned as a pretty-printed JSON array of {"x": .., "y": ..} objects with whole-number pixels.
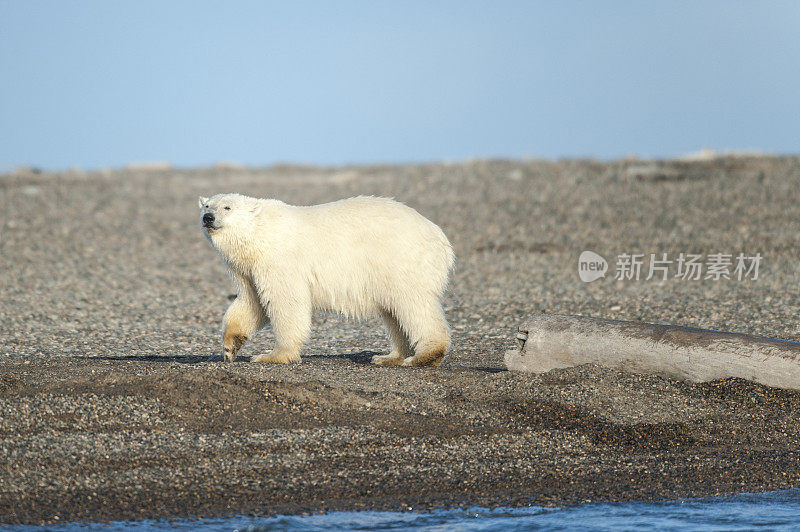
[
  {"x": 112, "y": 300},
  {"x": 712, "y": 510},
  {"x": 290, "y": 444}
]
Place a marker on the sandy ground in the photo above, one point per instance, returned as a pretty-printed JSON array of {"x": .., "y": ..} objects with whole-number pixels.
[{"x": 111, "y": 299}]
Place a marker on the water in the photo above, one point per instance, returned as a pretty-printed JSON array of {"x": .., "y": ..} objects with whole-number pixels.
[{"x": 771, "y": 511}]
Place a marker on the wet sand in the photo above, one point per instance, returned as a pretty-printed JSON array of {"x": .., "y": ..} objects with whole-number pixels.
[{"x": 111, "y": 303}]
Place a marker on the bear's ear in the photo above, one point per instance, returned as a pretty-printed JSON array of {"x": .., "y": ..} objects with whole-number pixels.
[{"x": 202, "y": 201}]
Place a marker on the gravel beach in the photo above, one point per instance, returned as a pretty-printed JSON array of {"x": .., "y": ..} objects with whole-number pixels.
[{"x": 111, "y": 301}]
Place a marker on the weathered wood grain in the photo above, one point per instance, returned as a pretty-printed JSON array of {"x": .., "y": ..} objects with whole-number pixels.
[{"x": 550, "y": 341}]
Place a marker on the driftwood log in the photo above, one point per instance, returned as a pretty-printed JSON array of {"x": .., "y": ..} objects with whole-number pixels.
[{"x": 550, "y": 341}]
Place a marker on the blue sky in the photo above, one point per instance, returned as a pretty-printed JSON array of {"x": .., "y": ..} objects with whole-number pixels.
[{"x": 105, "y": 83}]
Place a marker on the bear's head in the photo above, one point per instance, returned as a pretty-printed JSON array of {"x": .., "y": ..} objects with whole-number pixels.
[{"x": 227, "y": 213}]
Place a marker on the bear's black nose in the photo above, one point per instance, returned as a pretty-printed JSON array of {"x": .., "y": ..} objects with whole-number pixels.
[{"x": 208, "y": 219}]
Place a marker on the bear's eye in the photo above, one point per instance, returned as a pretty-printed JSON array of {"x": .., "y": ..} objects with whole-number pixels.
[{"x": 227, "y": 208}]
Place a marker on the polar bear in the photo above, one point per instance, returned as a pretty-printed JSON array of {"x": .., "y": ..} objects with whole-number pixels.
[{"x": 358, "y": 256}]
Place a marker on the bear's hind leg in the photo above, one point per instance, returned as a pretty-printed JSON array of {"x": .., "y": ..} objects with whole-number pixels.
[
  {"x": 401, "y": 348},
  {"x": 428, "y": 332}
]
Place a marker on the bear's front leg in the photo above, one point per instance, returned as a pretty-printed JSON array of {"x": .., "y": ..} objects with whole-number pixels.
[
  {"x": 231, "y": 343},
  {"x": 291, "y": 323},
  {"x": 243, "y": 318},
  {"x": 279, "y": 355}
]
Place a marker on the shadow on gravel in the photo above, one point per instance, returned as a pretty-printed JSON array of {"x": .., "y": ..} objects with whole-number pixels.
[
  {"x": 487, "y": 369},
  {"x": 180, "y": 359},
  {"x": 364, "y": 357}
]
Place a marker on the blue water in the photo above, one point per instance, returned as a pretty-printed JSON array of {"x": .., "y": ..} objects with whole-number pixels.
[{"x": 771, "y": 511}]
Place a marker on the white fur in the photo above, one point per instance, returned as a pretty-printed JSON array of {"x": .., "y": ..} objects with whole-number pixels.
[{"x": 359, "y": 256}]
